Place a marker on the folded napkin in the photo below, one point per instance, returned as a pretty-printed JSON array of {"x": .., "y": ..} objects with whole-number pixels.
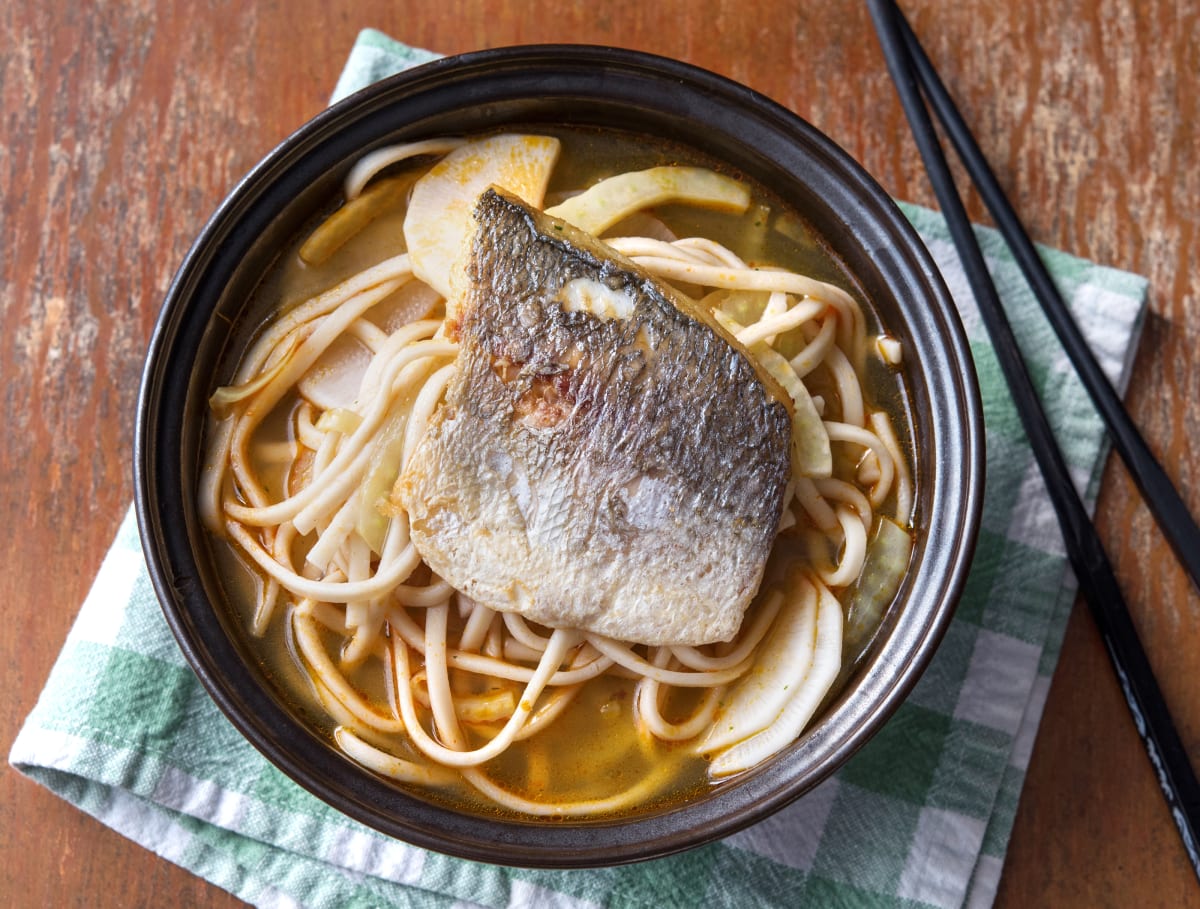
[{"x": 921, "y": 816}]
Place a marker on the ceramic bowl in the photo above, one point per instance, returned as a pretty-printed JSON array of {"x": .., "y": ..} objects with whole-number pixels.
[{"x": 586, "y": 86}]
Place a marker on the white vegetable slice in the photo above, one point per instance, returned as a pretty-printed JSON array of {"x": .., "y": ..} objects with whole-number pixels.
[
  {"x": 333, "y": 381},
  {"x": 827, "y": 660},
  {"x": 812, "y": 455},
  {"x": 439, "y": 218},
  {"x": 783, "y": 661},
  {"x": 887, "y": 561},
  {"x": 611, "y": 200},
  {"x": 414, "y": 301}
]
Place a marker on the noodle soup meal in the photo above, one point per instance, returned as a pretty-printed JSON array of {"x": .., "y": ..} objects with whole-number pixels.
[{"x": 562, "y": 474}]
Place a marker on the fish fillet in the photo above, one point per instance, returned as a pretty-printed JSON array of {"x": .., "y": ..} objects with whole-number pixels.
[{"x": 606, "y": 458}]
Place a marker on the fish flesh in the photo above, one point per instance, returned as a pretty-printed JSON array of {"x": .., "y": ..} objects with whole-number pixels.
[{"x": 607, "y": 457}]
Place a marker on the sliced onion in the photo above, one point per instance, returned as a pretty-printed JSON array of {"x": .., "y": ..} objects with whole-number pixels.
[{"x": 616, "y": 198}]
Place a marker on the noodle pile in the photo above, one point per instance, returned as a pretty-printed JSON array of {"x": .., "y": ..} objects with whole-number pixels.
[{"x": 453, "y": 684}]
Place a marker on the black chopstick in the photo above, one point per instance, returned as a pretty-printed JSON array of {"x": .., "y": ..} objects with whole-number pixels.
[
  {"x": 1096, "y": 580},
  {"x": 1161, "y": 496}
]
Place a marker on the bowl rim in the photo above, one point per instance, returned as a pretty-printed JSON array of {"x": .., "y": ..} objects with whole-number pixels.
[{"x": 162, "y": 497}]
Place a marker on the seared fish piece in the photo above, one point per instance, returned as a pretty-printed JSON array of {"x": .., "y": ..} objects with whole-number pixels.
[{"x": 606, "y": 457}]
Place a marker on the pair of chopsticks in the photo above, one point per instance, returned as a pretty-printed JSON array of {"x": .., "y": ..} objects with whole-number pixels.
[{"x": 913, "y": 74}]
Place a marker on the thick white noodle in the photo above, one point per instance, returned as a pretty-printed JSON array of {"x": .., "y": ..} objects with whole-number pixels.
[
  {"x": 395, "y": 268},
  {"x": 692, "y": 658},
  {"x": 519, "y": 629},
  {"x": 217, "y": 462},
  {"x": 631, "y": 797},
  {"x": 850, "y": 327},
  {"x": 371, "y": 335},
  {"x": 814, "y": 504},
  {"x": 482, "y": 664},
  {"x": 370, "y": 164},
  {"x": 385, "y": 578},
  {"x": 771, "y": 325},
  {"x": 389, "y": 765},
  {"x": 623, "y": 655},
  {"x": 702, "y": 247},
  {"x": 479, "y": 620},
  {"x": 323, "y": 667},
  {"x": 307, "y": 433},
  {"x": 305, "y": 506},
  {"x": 813, "y": 355},
  {"x": 882, "y": 425},
  {"x": 301, "y": 358},
  {"x": 560, "y": 643},
  {"x": 849, "y": 390},
  {"x": 854, "y": 550},
  {"x": 646, "y": 697},
  {"x": 845, "y": 432},
  {"x": 848, "y": 494},
  {"x": 437, "y": 677},
  {"x": 334, "y": 532},
  {"x": 429, "y": 595}
]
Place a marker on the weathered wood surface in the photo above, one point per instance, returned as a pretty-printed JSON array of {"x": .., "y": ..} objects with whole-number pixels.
[{"x": 125, "y": 123}]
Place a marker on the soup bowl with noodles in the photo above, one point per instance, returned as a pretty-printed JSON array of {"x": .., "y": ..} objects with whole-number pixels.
[{"x": 558, "y": 456}]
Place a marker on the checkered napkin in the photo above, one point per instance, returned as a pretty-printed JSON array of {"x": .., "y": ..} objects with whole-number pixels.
[{"x": 921, "y": 816}]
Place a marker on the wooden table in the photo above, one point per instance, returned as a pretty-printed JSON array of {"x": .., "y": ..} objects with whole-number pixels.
[{"x": 125, "y": 123}]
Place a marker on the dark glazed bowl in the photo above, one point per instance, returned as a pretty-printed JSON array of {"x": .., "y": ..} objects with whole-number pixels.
[{"x": 574, "y": 86}]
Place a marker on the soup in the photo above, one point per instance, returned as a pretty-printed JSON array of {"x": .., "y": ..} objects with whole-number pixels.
[{"x": 335, "y": 455}]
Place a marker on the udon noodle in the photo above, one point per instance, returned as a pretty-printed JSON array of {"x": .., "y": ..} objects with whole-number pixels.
[{"x": 423, "y": 685}]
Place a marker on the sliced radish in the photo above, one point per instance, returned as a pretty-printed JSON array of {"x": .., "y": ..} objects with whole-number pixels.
[
  {"x": 783, "y": 661},
  {"x": 333, "y": 381},
  {"x": 439, "y": 219},
  {"x": 803, "y": 702},
  {"x": 410, "y": 303}
]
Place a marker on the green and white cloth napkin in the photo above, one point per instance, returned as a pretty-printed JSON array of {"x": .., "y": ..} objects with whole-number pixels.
[{"x": 920, "y": 817}]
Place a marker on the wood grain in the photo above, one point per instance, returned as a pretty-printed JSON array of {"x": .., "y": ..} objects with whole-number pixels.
[{"x": 124, "y": 124}]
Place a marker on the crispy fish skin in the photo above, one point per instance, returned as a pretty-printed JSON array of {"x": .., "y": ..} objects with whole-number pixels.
[{"x": 603, "y": 460}]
